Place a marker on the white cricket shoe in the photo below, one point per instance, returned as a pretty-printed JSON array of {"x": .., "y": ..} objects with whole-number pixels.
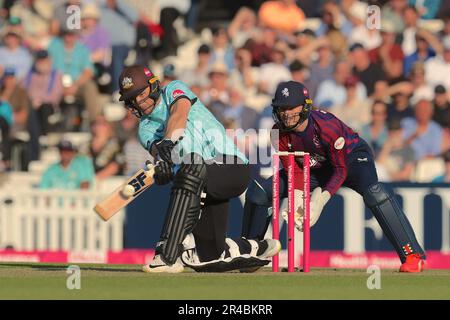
[
  {"x": 159, "y": 266},
  {"x": 273, "y": 247}
]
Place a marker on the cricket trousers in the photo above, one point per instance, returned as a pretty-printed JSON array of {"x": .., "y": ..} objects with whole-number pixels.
[{"x": 224, "y": 182}]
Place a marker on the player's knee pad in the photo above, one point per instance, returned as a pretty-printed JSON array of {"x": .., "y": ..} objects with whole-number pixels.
[
  {"x": 392, "y": 220},
  {"x": 184, "y": 209},
  {"x": 257, "y": 213}
]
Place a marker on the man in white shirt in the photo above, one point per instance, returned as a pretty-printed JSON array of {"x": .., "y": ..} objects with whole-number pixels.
[{"x": 437, "y": 69}]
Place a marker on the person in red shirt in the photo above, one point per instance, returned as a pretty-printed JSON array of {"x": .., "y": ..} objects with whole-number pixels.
[
  {"x": 338, "y": 157},
  {"x": 389, "y": 55}
]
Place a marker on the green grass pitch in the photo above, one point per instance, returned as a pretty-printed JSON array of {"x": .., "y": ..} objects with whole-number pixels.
[{"x": 48, "y": 281}]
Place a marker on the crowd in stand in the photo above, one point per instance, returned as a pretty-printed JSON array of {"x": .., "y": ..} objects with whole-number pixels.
[{"x": 389, "y": 81}]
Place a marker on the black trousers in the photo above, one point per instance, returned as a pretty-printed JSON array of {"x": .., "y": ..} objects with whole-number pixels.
[{"x": 224, "y": 182}]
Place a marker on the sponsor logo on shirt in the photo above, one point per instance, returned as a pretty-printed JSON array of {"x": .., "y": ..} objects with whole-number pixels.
[
  {"x": 339, "y": 143},
  {"x": 177, "y": 93},
  {"x": 147, "y": 72}
]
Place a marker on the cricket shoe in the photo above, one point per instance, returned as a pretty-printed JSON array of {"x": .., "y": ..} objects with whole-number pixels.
[
  {"x": 413, "y": 264},
  {"x": 159, "y": 266},
  {"x": 230, "y": 260},
  {"x": 264, "y": 249}
]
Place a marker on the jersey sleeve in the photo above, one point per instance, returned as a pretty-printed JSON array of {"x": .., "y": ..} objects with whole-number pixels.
[
  {"x": 149, "y": 133},
  {"x": 333, "y": 134},
  {"x": 176, "y": 90}
]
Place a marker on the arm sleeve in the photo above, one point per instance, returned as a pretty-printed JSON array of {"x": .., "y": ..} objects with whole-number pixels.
[
  {"x": 333, "y": 135},
  {"x": 176, "y": 90}
]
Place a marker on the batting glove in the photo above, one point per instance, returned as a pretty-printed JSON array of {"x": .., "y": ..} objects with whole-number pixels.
[
  {"x": 164, "y": 148},
  {"x": 163, "y": 173}
]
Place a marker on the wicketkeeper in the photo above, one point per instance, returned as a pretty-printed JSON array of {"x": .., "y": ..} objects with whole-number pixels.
[
  {"x": 197, "y": 157},
  {"x": 338, "y": 157}
]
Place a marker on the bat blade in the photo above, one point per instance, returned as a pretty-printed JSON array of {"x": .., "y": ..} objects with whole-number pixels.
[{"x": 114, "y": 202}]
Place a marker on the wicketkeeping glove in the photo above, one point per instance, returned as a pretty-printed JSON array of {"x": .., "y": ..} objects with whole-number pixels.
[
  {"x": 318, "y": 200},
  {"x": 163, "y": 173}
]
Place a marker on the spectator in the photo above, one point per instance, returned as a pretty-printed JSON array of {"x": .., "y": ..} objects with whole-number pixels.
[
  {"x": 13, "y": 55},
  {"x": 199, "y": 75},
  {"x": 376, "y": 133},
  {"x": 332, "y": 18},
  {"x": 299, "y": 72},
  {"x": 441, "y": 105},
  {"x": 134, "y": 155},
  {"x": 105, "y": 149},
  {"x": 357, "y": 13},
  {"x": 72, "y": 172},
  {"x": 425, "y": 42},
  {"x": 427, "y": 9},
  {"x": 221, "y": 50},
  {"x": 338, "y": 43},
  {"x": 306, "y": 44},
  {"x": 61, "y": 13},
  {"x": 322, "y": 69},
  {"x": 272, "y": 73},
  {"x": 445, "y": 31},
  {"x": 444, "y": 178},
  {"x": 242, "y": 27},
  {"x": 389, "y": 55},
  {"x": 421, "y": 89},
  {"x": 236, "y": 113},
  {"x": 244, "y": 76},
  {"x": 95, "y": 38},
  {"x": 116, "y": 15},
  {"x": 6, "y": 121},
  {"x": 393, "y": 12},
  {"x": 170, "y": 11},
  {"x": 217, "y": 92},
  {"x": 44, "y": 86},
  {"x": 367, "y": 72},
  {"x": 437, "y": 69},
  {"x": 400, "y": 108},
  {"x": 24, "y": 133},
  {"x": 396, "y": 158},
  {"x": 35, "y": 16},
  {"x": 354, "y": 112},
  {"x": 410, "y": 18},
  {"x": 283, "y": 16},
  {"x": 261, "y": 46},
  {"x": 332, "y": 92},
  {"x": 422, "y": 133},
  {"x": 169, "y": 74},
  {"x": 72, "y": 59}
]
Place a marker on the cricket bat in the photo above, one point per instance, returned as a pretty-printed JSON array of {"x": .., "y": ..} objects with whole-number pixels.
[{"x": 126, "y": 193}]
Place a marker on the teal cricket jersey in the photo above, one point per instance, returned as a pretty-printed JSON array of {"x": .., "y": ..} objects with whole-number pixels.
[{"x": 203, "y": 134}]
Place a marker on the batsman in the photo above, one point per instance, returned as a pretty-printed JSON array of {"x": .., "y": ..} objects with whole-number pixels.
[
  {"x": 205, "y": 169},
  {"x": 338, "y": 157}
]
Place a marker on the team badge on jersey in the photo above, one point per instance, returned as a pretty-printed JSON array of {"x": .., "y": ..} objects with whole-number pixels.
[
  {"x": 339, "y": 143},
  {"x": 127, "y": 83},
  {"x": 177, "y": 93}
]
